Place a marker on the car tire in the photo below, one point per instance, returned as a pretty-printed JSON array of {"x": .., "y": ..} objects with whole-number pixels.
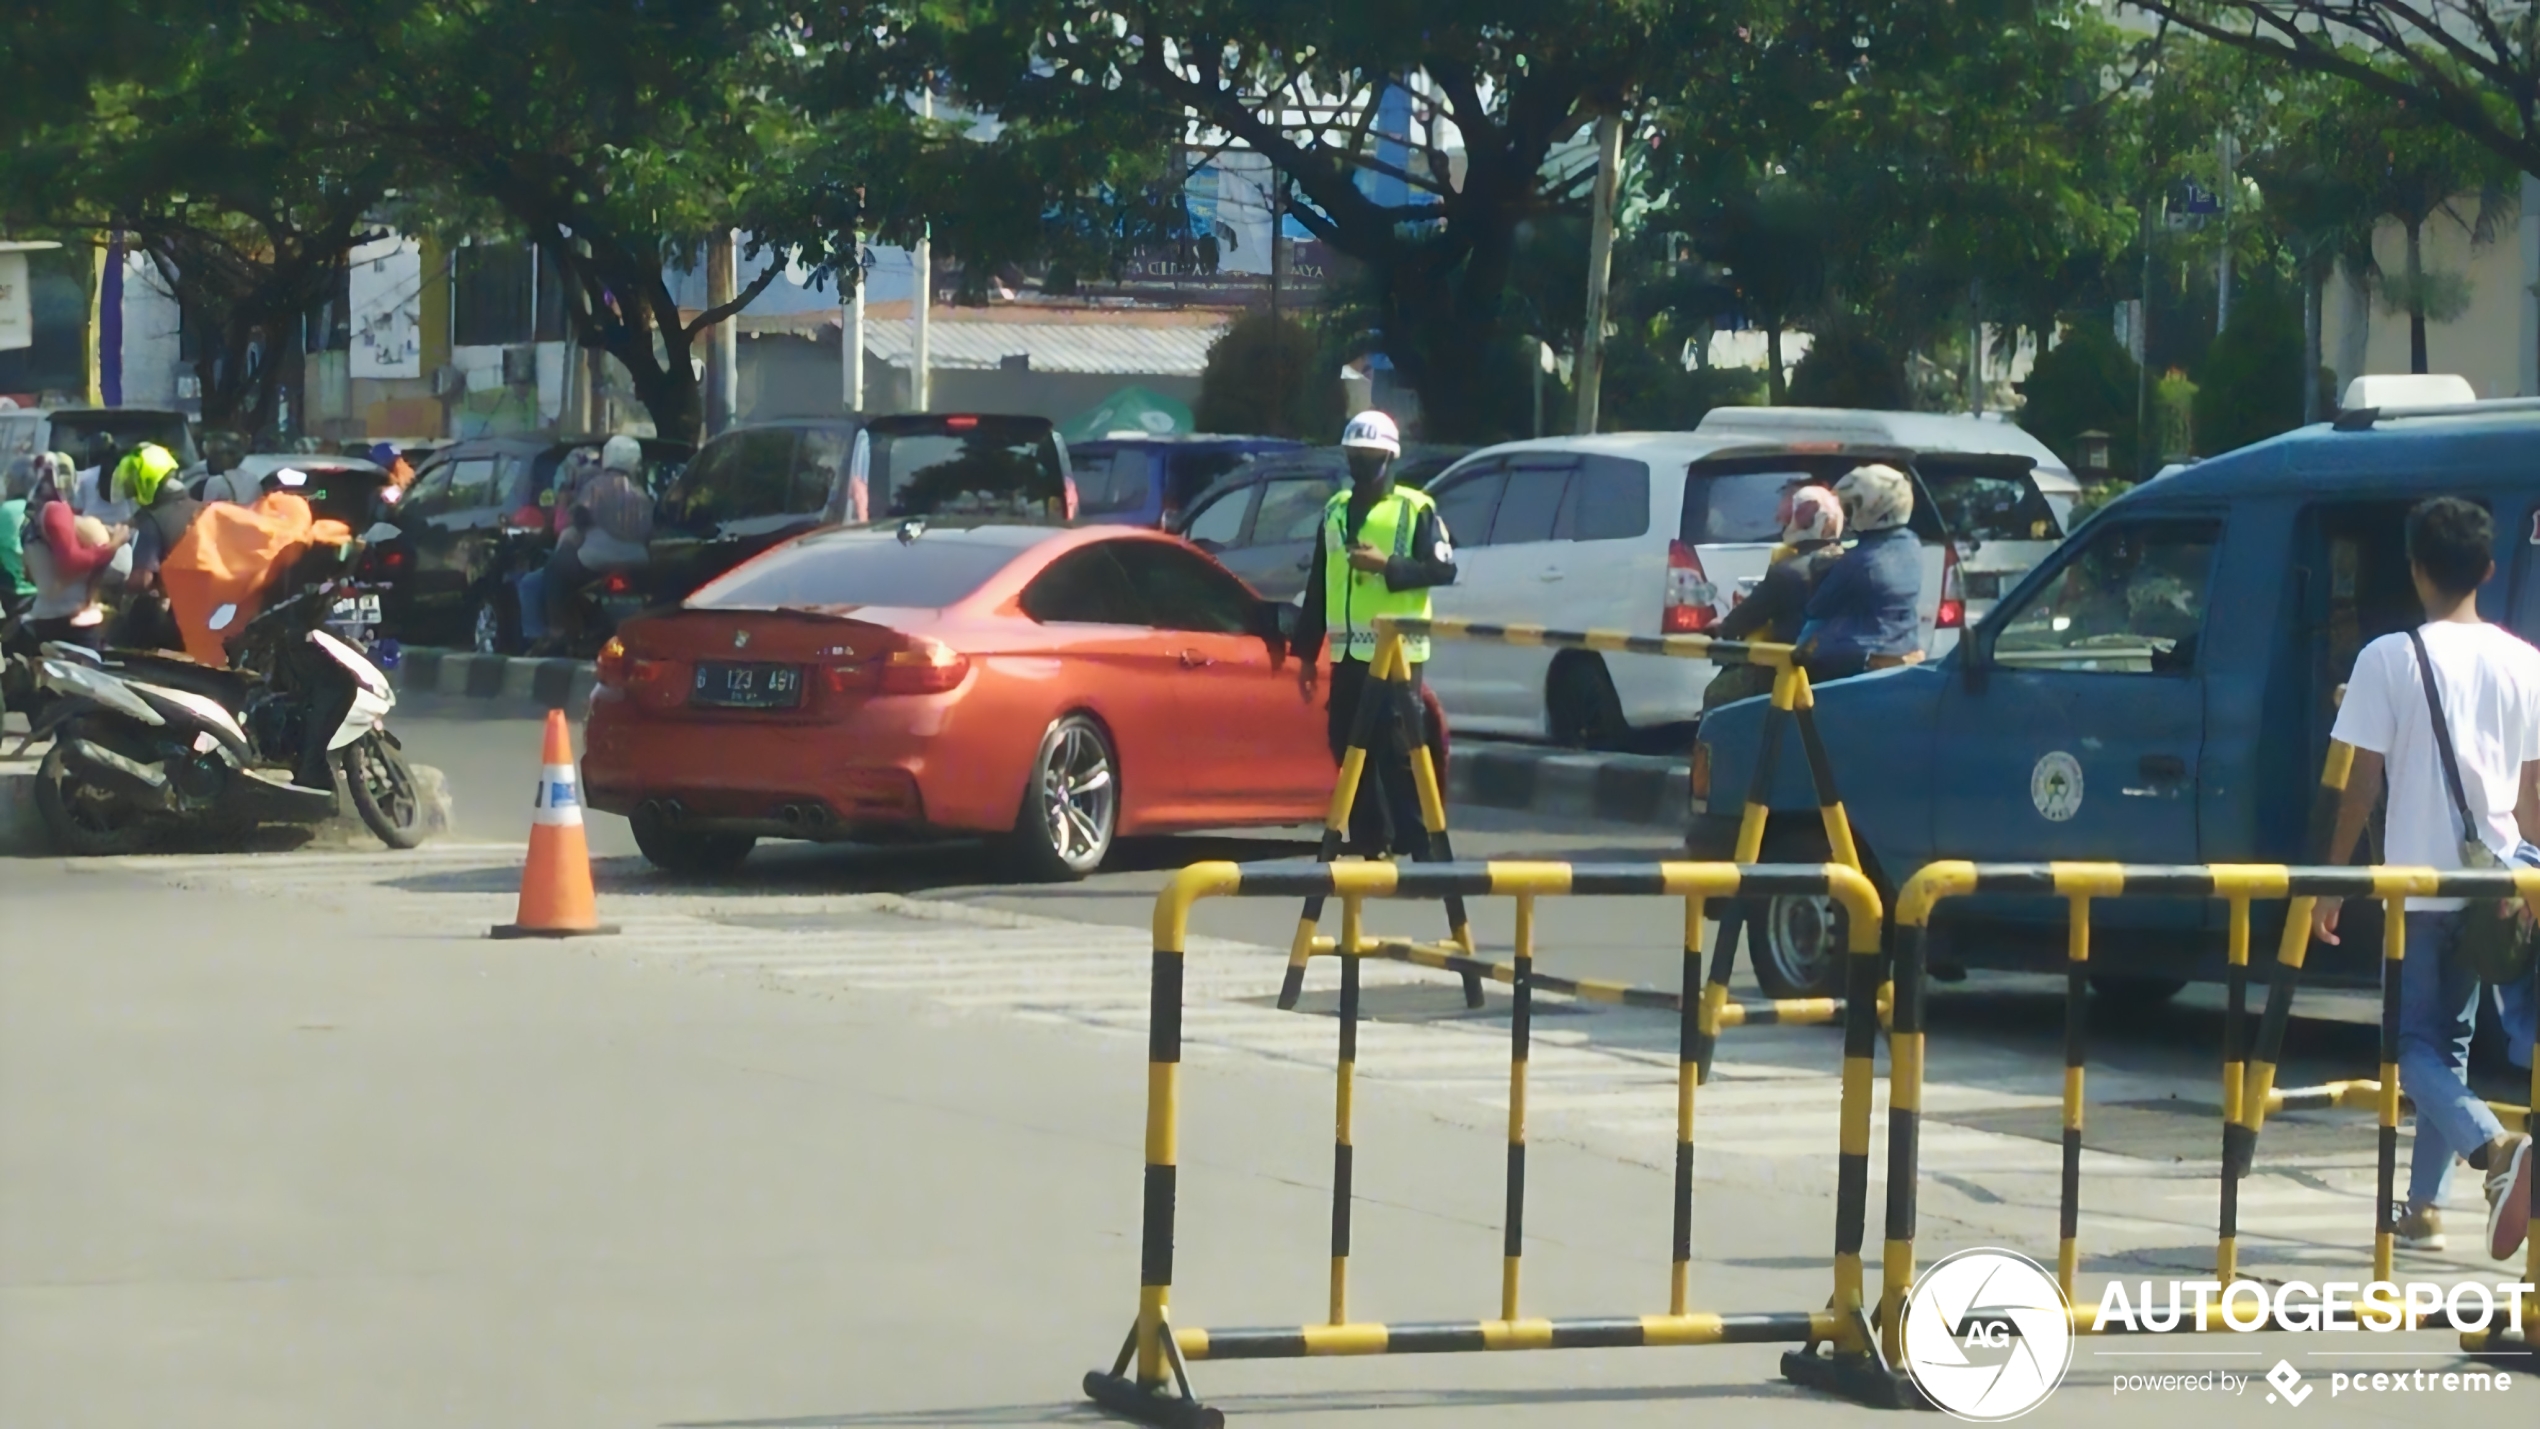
[
  {"x": 1583, "y": 710},
  {"x": 1071, "y": 804},
  {"x": 691, "y": 853},
  {"x": 1797, "y": 943},
  {"x": 2136, "y": 993},
  {"x": 494, "y": 629}
]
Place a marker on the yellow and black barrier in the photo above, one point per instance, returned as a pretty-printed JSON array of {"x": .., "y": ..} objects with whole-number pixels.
[
  {"x": 1389, "y": 677},
  {"x": 1150, "y": 1380},
  {"x": 2081, "y": 884}
]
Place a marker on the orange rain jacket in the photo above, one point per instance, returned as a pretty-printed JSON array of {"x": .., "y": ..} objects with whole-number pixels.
[{"x": 232, "y": 555}]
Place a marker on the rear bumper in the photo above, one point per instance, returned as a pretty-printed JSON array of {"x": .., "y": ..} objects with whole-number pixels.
[{"x": 863, "y": 774}]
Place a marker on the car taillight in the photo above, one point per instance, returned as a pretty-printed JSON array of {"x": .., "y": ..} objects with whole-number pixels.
[
  {"x": 1699, "y": 780},
  {"x": 616, "y": 583},
  {"x": 1689, "y": 593},
  {"x": 926, "y": 667},
  {"x": 1953, "y": 601},
  {"x": 610, "y": 668},
  {"x": 527, "y": 518},
  {"x": 960, "y": 424}
]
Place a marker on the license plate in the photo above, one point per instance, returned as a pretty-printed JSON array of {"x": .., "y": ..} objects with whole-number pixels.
[
  {"x": 356, "y": 610},
  {"x": 753, "y": 687}
]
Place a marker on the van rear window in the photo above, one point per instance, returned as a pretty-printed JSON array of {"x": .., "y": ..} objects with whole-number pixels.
[
  {"x": 1740, "y": 508},
  {"x": 1110, "y": 479},
  {"x": 1990, "y": 502}
]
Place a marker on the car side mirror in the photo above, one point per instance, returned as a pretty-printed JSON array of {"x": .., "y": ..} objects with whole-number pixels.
[
  {"x": 1273, "y": 620},
  {"x": 381, "y": 531}
]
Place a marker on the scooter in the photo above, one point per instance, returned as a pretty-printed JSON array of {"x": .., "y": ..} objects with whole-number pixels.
[{"x": 146, "y": 743}]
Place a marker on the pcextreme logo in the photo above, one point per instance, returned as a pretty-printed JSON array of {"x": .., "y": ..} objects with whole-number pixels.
[{"x": 1988, "y": 1335}]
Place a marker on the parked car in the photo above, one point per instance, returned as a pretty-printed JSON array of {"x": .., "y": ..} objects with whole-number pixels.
[
  {"x": 1259, "y": 519},
  {"x": 1053, "y": 688},
  {"x": 2159, "y": 690},
  {"x": 1649, "y": 532},
  {"x": 756, "y": 486},
  {"x": 1151, "y": 481},
  {"x": 73, "y": 431},
  {"x": 479, "y": 513}
]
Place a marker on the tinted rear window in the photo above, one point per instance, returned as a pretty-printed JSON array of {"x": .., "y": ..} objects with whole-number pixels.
[
  {"x": 75, "y": 434},
  {"x": 1990, "y": 502},
  {"x": 981, "y": 465},
  {"x": 852, "y": 569},
  {"x": 1739, "y": 508},
  {"x": 1111, "y": 479}
]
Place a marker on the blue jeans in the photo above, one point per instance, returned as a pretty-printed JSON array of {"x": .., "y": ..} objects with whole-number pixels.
[
  {"x": 2438, "y": 1010},
  {"x": 533, "y": 604}
]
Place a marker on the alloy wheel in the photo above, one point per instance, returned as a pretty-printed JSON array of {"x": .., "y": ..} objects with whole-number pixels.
[{"x": 1079, "y": 797}]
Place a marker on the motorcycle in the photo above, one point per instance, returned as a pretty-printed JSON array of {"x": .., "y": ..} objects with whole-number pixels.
[{"x": 145, "y": 742}]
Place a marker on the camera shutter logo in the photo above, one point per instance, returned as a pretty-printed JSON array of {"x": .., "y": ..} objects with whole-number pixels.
[{"x": 1988, "y": 1335}]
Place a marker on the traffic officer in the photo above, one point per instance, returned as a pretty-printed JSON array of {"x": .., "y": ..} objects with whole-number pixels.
[{"x": 1381, "y": 549}]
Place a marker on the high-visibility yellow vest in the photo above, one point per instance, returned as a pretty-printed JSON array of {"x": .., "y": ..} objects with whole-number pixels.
[{"x": 1352, "y": 599}]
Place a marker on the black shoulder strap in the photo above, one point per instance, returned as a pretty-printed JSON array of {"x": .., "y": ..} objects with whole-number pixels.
[{"x": 2443, "y": 738}]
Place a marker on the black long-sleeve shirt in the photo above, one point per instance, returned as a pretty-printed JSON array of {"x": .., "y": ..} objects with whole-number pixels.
[{"x": 1431, "y": 563}]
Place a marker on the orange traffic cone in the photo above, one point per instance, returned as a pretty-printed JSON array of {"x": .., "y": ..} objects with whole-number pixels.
[{"x": 555, "y": 888}]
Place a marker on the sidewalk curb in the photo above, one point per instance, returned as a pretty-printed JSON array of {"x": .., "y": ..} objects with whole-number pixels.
[{"x": 1526, "y": 778}]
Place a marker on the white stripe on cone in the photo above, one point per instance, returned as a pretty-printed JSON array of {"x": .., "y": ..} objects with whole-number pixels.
[{"x": 559, "y": 800}]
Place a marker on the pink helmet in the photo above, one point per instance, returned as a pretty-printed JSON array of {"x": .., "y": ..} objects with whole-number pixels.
[{"x": 1810, "y": 513}]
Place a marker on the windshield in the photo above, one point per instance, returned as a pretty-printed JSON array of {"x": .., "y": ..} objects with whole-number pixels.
[
  {"x": 75, "y": 434},
  {"x": 844, "y": 568},
  {"x": 931, "y": 466}
]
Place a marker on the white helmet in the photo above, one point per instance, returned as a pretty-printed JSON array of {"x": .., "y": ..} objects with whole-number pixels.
[
  {"x": 621, "y": 453},
  {"x": 1374, "y": 431}
]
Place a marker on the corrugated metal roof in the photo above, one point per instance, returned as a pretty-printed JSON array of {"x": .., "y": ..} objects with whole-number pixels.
[{"x": 1121, "y": 351}]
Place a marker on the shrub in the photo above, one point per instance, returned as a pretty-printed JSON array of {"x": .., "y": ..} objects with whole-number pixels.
[
  {"x": 2085, "y": 383},
  {"x": 1267, "y": 376}
]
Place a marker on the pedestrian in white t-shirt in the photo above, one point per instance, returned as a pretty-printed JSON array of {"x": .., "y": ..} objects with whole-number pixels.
[{"x": 2489, "y": 684}]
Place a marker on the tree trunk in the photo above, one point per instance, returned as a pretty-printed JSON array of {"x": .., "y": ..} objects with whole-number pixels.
[
  {"x": 1442, "y": 321},
  {"x": 2416, "y": 297},
  {"x": 1776, "y": 386}
]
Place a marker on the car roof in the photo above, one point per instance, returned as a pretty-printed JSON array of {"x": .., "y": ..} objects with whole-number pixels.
[
  {"x": 263, "y": 462},
  {"x": 1920, "y": 431},
  {"x": 1643, "y": 446},
  {"x": 1187, "y": 439},
  {"x": 2401, "y": 456}
]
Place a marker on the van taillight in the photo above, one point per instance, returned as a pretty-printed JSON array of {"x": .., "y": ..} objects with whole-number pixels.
[
  {"x": 1953, "y": 601},
  {"x": 1690, "y": 596},
  {"x": 527, "y": 518}
]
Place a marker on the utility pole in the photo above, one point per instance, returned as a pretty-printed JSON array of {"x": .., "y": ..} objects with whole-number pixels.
[
  {"x": 1591, "y": 365},
  {"x": 1278, "y": 328},
  {"x": 2222, "y": 276},
  {"x": 722, "y": 350},
  {"x": 921, "y": 388},
  {"x": 2144, "y": 438},
  {"x": 1975, "y": 346},
  {"x": 851, "y": 335}
]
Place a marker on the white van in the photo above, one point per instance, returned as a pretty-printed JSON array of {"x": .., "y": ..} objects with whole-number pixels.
[{"x": 1654, "y": 533}]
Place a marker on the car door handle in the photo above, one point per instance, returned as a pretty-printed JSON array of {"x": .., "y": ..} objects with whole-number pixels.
[
  {"x": 1548, "y": 576},
  {"x": 1193, "y": 660}
]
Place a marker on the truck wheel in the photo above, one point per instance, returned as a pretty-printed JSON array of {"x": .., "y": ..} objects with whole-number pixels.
[
  {"x": 2135, "y": 994},
  {"x": 1584, "y": 710},
  {"x": 1797, "y": 942}
]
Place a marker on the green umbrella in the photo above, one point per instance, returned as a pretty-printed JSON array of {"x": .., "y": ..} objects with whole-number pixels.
[{"x": 1132, "y": 411}]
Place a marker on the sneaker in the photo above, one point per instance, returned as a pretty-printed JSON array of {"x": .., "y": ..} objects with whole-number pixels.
[
  {"x": 2508, "y": 1195},
  {"x": 2420, "y": 1227}
]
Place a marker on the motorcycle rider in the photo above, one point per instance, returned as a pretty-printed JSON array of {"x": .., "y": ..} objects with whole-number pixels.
[
  {"x": 66, "y": 569},
  {"x": 611, "y": 520},
  {"x": 163, "y": 513}
]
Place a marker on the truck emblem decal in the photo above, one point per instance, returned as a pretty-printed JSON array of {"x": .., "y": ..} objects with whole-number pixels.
[
  {"x": 740, "y": 640},
  {"x": 2054, "y": 786}
]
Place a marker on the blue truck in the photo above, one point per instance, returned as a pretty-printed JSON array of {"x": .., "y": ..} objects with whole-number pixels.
[{"x": 2158, "y": 690}]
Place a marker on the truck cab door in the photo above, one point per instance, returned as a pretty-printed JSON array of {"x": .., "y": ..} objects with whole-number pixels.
[{"x": 2078, "y": 730}]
